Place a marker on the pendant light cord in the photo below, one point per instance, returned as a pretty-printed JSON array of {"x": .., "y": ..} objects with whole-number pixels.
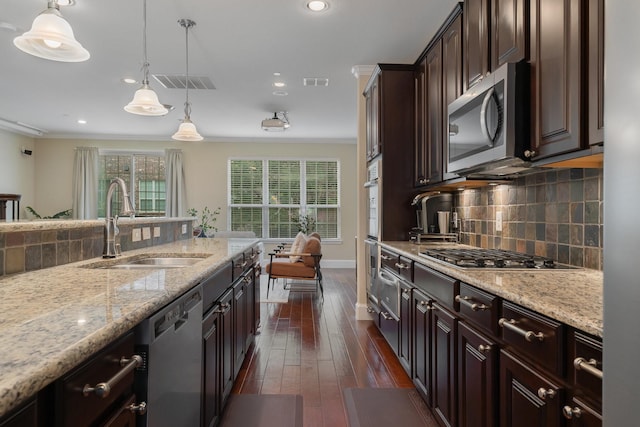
[
  {"x": 145, "y": 65},
  {"x": 187, "y": 23}
]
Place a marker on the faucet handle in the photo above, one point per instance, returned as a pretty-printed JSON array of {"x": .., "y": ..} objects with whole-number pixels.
[{"x": 116, "y": 230}]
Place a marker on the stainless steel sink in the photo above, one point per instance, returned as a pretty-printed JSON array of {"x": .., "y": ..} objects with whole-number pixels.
[{"x": 148, "y": 262}]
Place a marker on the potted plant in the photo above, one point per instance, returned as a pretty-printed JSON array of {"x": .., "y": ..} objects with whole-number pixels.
[
  {"x": 306, "y": 223},
  {"x": 208, "y": 218}
]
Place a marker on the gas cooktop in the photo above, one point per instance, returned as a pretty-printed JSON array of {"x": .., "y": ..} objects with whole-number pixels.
[{"x": 492, "y": 258}]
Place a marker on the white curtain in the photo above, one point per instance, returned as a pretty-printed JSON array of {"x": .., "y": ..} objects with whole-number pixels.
[
  {"x": 85, "y": 183},
  {"x": 175, "y": 183}
]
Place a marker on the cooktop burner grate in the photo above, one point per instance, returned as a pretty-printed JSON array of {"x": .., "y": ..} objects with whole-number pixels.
[{"x": 491, "y": 258}]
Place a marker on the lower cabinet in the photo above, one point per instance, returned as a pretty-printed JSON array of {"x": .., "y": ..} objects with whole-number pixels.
[
  {"x": 580, "y": 414},
  {"x": 123, "y": 417},
  {"x": 25, "y": 416},
  {"x": 404, "y": 348},
  {"x": 227, "y": 376},
  {"x": 527, "y": 397},
  {"x": 421, "y": 334},
  {"x": 477, "y": 381},
  {"x": 211, "y": 358},
  {"x": 389, "y": 326},
  {"x": 241, "y": 326},
  {"x": 443, "y": 359}
]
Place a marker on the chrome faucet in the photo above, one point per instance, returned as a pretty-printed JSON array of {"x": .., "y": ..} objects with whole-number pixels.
[{"x": 111, "y": 222}]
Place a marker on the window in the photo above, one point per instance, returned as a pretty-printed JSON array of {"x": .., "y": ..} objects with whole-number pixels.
[
  {"x": 146, "y": 171},
  {"x": 267, "y": 196}
]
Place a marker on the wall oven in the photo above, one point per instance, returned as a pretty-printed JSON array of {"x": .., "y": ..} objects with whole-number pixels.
[
  {"x": 374, "y": 196},
  {"x": 372, "y": 259},
  {"x": 488, "y": 125}
]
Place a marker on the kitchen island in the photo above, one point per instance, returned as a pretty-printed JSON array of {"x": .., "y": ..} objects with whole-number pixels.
[{"x": 53, "y": 319}]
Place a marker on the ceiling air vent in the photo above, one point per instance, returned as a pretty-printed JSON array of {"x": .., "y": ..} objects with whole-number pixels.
[
  {"x": 315, "y": 81},
  {"x": 178, "y": 81}
]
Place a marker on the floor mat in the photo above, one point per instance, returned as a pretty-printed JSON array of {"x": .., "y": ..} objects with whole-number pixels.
[
  {"x": 373, "y": 407},
  {"x": 263, "y": 410}
]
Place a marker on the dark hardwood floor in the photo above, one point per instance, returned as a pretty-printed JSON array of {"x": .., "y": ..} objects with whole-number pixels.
[{"x": 317, "y": 349}]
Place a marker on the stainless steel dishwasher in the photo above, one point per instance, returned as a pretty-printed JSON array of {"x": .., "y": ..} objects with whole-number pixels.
[{"x": 170, "y": 343}]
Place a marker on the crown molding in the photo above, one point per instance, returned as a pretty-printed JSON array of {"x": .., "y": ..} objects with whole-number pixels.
[{"x": 362, "y": 70}]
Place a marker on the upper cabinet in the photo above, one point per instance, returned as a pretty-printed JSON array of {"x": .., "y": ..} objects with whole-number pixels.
[
  {"x": 372, "y": 103},
  {"x": 556, "y": 74},
  {"x": 438, "y": 81},
  {"x": 509, "y": 32},
  {"x": 476, "y": 41},
  {"x": 595, "y": 70}
]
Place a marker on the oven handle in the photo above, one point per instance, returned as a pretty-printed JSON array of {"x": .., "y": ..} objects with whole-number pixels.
[
  {"x": 371, "y": 183},
  {"x": 483, "y": 117},
  {"x": 390, "y": 280}
]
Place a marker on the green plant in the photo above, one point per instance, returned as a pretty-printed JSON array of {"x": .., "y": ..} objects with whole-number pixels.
[
  {"x": 306, "y": 223},
  {"x": 61, "y": 214},
  {"x": 207, "y": 218}
]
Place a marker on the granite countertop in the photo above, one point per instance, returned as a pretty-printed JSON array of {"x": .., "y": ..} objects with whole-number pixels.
[
  {"x": 53, "y": 319},
  {"x": 572, "y": 296},
  {"x": 54, "y": 224}
]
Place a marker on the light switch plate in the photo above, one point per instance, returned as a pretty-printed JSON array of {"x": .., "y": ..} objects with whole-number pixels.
[
  {"x": 136, "y": 235},
  {"x": 499, "y": 221},
  {"x": 184, "y": 228},
  {"x": 156, "y": 231},
  {"x": 146, "y": 233}
]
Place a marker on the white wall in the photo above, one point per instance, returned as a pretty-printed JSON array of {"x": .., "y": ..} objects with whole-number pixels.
[
  {"x": 205, "y": 174},
  {"x": 17, "y": 170}
]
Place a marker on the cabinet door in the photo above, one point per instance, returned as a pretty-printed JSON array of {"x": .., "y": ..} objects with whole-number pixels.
[
  {"x": 372, "y": 121},
  {"x": 420, "y": 133},
  {"x": 434, "y": 113},
  {"x": 404, "y": 353},
  {"x": 527, "y": 398},
  {"x": 211, "y": 367},
  {"x": 239, "y": 323},
  {"x": 509, "y": 31},
  {"x": 596, "y": 70},
  {"x": 556, "y": 104},
  {"x": 580, "y": 414},
  {"x": 256, "y": 298},
  {"x": 476, "y": 41},
  {"x": 443, "y": 359},
  {"x": 421, "y": 319},
  {"x": 226, "y": 342},
  {"x": 123, "y": 416},
  {"x": 27, "y": 416},
  {"x": 451, "y": 84},
  {"x": 477, "y": 382}
]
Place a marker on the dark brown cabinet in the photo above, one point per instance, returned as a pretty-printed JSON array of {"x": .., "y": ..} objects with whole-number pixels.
[
  {"x": 25, "y": 416},
  {"x": 581, "y": 414},
  {"x": 477, "y": 378},
  {"x": 444, "y": 361},
  {"x": 509, "y": 31},
  {"x": 595, "y": 71},
  {"x": 211, "y": 393},
  {"x": 225, "y": 325},
  {"x": 527, "y": 397},
  {"x": 404, "y": 349},
  {"x": 421, "y": 322},
  {"x": 372, "y": 105},
  {"x": 557, "y": 103},
  {"x": 476, "y": 41}
]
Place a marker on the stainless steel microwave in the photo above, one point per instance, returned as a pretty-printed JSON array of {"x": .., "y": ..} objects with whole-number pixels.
[{"x": 488, "y": 125}]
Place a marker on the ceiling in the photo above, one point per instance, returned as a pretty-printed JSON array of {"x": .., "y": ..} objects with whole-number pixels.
[{"x": 238, "y": 44}]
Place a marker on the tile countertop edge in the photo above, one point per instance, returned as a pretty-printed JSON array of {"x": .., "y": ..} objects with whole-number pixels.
[
  {"x": 20, "y": 379},
  {"x": 573, "y": 297}
]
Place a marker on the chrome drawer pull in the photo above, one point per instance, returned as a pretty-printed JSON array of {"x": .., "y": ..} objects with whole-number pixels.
[
  {"x": 472, "y": 305},
  {"x": 580, "y": 363},
  {"x": 544, "y": 393},
  {"x": 570, "y": 413},
  {"x": 140, "y": 409},
  {"x": 103, "y": 389},
  {"x": 528, "y": 335},
  {"x": 385, "y": 257},
  {"x": 370, "y": 310},
  {"x": 386, "y": 315},
  {"x": 401, "y": 266}
]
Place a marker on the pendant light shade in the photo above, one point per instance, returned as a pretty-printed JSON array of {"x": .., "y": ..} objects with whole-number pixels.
[
  {"x": 145, "y": 101},
  {"x": 51, "y": 37},
  {"x": 187, "y": 130}
]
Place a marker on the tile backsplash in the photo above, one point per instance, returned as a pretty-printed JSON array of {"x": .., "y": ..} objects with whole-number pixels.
[{"x": 557, "y": 213}]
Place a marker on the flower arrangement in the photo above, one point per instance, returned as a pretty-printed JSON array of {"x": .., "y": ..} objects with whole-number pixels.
[
  {"x": 208, "y": 219},
  {"x": 306, "y": 223}
]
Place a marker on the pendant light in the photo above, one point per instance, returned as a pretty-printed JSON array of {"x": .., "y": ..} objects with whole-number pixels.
[
  {"x": 187, "y": 130},
  {"x": 51, "y": 37},
  {"x": 145, "y": 101}
]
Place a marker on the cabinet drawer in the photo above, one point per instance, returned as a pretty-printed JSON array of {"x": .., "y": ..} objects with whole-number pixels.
[
  {"x": 439, "y": 286},
  {"x": 239, "y": 265},
  {"x": 389, "y": 259},
  {"x": 78, "y": 409},
  {"x": 534, "y": 336},
  {"x": 214, "y": 286},
  {"x": 584, "y": 364},
  {"x": 479, "y": 307}
]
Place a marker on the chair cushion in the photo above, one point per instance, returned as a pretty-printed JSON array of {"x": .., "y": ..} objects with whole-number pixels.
[
  {"x": 282, "y": 267},
  {"x": 312, "y": 246},
  {"x": 316, "y": 235},
  {"x": 297, "y": 245}
]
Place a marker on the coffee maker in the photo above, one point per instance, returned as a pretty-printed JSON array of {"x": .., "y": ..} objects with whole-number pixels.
[{"x": 427, "y": 206}]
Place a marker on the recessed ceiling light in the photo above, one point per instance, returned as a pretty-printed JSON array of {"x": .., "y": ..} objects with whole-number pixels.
[
  {"x": 82, "y": 121},
  {"x": 317, "y": 5},
  {"x": 276, "y": 74},
  {"x": 279, "y": 84},
  {"x": 280, "y": 93},
  {"x": 129, "y": 80}
]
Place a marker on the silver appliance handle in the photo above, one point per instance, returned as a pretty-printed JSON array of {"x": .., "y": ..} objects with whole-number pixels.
[
  {"x": 371, "y": 183},
  {"x": 389, "y": 280},
  {"x": 483, "y": 117}
]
